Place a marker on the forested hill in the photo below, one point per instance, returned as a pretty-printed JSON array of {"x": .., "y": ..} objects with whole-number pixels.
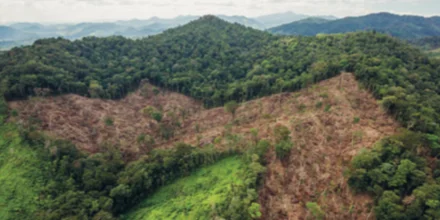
[
  {"x": 427, "y": 43},
  {"x": 406, "y": 27},
  {"x": 216, "y": 62},
  {"x": 208, "y": 59}
]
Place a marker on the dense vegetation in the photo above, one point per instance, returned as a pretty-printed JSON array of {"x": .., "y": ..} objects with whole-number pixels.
[
  {"x": 59, "y": 182},
  {"x": 402, "y": 173},
  {"x": 218, "y": 62},
  {"x": 406, "y": 27},
  {"x": 191, "y": 197},
  {"x": 431, "y": 45},
  {"x": 22, "y": 175},
  {"x": 226, "y": 189},
  {"x": 427, "y": 43}
]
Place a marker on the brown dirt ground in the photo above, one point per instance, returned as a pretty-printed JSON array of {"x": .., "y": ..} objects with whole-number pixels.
[
  {"x": 325, "y": 140},
  {"x": 82, "y": 120}
]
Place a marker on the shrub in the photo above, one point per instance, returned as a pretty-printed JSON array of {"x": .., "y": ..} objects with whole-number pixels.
[
  {"x": 157, "y": 116},
  {"x": 231, "y": 107},
  {"x": 301, "y": 107},
  {"x": 281, "y": 133},
  {"x": 166, "y": 131},
  {"x": 14, "y": 113},
  {"x": 316, "y": 211},
  {"x": 283, "y": 148},
  {"x": 356, "y": 120},
  {"x": 318, "y": 104},
  {"x": 156, "y": 91},
  {"x": 254, "y": 210},
  {"x": 145, "y": 141},
  {"x": 108, "y": 121}
]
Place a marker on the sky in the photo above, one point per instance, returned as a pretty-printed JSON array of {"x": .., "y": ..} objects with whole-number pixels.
[{"x": 59, "y": 11}]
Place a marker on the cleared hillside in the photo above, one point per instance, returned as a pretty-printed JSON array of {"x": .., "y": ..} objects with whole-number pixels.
[
  {"x": 82, "y": 120},
  {"x": 329, "y": 123}
]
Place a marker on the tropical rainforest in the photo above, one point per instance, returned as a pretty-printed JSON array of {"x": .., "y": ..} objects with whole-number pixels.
[{"x": 220, "y": 64}]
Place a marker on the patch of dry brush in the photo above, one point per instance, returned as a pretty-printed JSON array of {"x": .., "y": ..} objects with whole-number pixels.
[{"x": 322, "y": 120}]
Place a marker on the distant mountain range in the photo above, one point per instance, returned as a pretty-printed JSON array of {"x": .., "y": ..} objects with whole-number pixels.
[
  {"x": 274, "y": 20},
  {"x": 289, "y": 23},
  {"x": 402, "y": 26},
  {"x": 17, "y": 34}
]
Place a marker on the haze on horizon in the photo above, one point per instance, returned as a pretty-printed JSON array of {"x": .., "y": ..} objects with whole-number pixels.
[{"x": 59, "y": 11}]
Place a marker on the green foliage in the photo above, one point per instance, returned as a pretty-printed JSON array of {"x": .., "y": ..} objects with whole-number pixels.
[
  {"x": 14, "y": 113},
  {"x": 108, "y": 121},
  {"x": 241, "y": 200},
  {"x": 166, "y": 131},
  {"x": 227, "y": 189},
  {"x": 283, "y": 148},
  {"x": 23, "y": 174},
  {"x": 254, "y": 211},
  {"x": 405, "y": 26},
  {"x": 356, "y": 120},
  {"x": 153, "y": 112},
  {"x": 145, "y": 141},
  {"x": 302, "y": 107},
  {"x": 318, "y": 104},
  {"x": 281, "y": 133},
  {"x": 157, "y": 116},
  {"x": 389, "y": 207},
  {"x": 427, "y": 43},
  {"x": 191, "y": 197},
  {"x": 156, "y": 91},
  {"x": 316, "y": 210},
  {"x": 398, "y": 175},
  {"x": 231, "y": 107},
  {"x": 283, "y": 144},
  {"x": 217, "y": 62}
]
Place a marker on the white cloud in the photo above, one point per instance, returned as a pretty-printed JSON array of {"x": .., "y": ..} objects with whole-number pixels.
[{"x": 56, "y": 11}]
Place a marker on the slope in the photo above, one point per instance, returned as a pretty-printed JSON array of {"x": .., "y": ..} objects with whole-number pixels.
[
  {"x": 329, "y": 122},
  {"x": 191, "y": 197},
  {"x": 22, "y": 175},
  {"x": 83, "y": 120},
  {"x": 274, "y": 20},
  {"x": 431, "y": 45},
  {"x": 8, "y": 34},
  {"x": 405, "y": 26},
  {"x": 216, "y": 62}
]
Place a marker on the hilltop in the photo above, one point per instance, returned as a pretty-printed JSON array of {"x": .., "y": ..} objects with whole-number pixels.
[
  {"x": 402, "y": 26},
  {"x": 25, "y": 33}
]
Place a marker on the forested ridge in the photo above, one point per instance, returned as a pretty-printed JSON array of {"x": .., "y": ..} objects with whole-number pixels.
[
  {"x": 401, "y": 26},
  {"x": 217, "y": 62},
  {"x": 431, "y": 45}
]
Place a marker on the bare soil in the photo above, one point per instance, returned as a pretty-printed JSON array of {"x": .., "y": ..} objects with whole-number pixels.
[
  {"x": 329, "y": 122},
  {"x": 82, "y": 120}
]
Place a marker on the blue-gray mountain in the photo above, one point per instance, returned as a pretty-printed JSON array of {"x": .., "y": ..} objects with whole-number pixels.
[
  {"x": 405, "y": 27},
  {"x": 24, "y": 33}
]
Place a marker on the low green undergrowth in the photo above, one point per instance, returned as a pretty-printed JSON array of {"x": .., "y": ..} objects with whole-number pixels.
[
  {"x": 22, "y": 175},
  {"x": 191, "y": 197},
  {"x": 225, "y": 190}
]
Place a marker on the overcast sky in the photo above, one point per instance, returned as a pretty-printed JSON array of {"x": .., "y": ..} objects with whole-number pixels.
[{"x": 56, "y": 11}]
